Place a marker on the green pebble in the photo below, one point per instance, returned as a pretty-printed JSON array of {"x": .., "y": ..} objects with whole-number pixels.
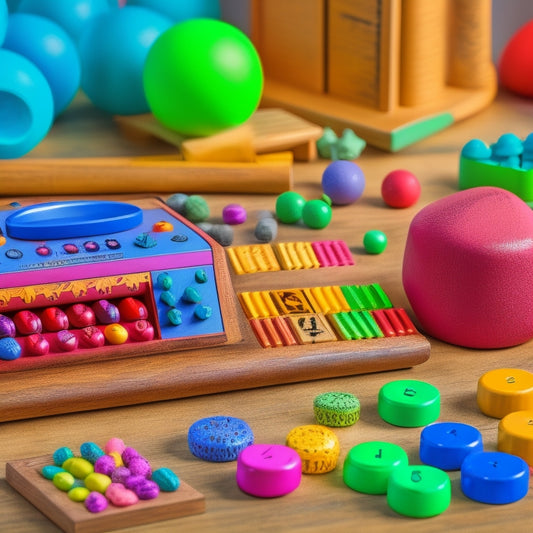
[
  {"x": 79, "y": 467},
  {"x": 61, "y": 455},
  {"x": 316, "y": 213},
  {"x": 168, "y": 298},
  {"x": 375, "y": 241},
  {"x": 49, "y": 471},
  {"x": 97, "y": 482},
  {"x": 289, "y": 207},
  {"x": 200, "y": 276},
  {"x": 196, "y": 209},
  {"x": 192, "y": 295},
  {"x": 78, "y": 494},
  {"x": 164, "y": 281},
  {"x": 336, "y": 409},
  {"x": 63, "y": 481},
  {"x": 174, "y": 317}
]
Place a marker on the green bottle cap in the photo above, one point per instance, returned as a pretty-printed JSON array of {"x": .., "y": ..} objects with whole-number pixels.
[
  {"x": 409, "y": 403},
  {"x": 368, "y": 465},
  {"x": 419, "y": 491}
]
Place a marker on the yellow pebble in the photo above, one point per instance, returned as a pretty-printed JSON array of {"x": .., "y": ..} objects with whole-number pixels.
[
  {"x": 97, "y": 482},
  {"x": 78, "y": 494},
  {"x": 63, "y": 481},
  {"x": 117, "y": 457},
  {"x": 78, "y": 467},
  {"x": 317, "y": 446},
  {"x": 116, "y": 334}
]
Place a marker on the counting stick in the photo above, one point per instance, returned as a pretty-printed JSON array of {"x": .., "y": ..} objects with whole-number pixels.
[{"x": 269, "y": 174}]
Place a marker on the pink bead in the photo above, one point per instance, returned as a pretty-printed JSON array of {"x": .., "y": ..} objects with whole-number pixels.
[
  {"x": 141, "y": 331},
  {"x": 114, "y": 444},
  {"x": 234, "y": 214},
  {"x": 139, "y": 466},
  {"x": 268, "y": 470},
  {"x": 81, "y": 315},
  {"x": 36, "y": 344},
  {"x": 92, "y": 337},
  {"x": 120, "y": 496},
  {"x": 66, "y": 340}
]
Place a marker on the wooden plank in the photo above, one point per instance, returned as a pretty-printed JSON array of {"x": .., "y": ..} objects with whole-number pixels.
[
  {"x": 269, "y": 174},
  {"x": 72, "y": 517}
]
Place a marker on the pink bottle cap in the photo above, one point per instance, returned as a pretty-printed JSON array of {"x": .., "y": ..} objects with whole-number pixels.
[{"x": 268, "y": 470}]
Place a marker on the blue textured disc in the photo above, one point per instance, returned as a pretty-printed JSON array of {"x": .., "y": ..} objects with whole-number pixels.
[
  {"x": 494, "y": 477},
  {"x": 219, "y": 438},
  {"x": 446, "y": 444}
]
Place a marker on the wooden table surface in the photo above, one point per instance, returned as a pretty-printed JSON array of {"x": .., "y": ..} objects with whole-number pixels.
[{"x": 322, "y": 502}]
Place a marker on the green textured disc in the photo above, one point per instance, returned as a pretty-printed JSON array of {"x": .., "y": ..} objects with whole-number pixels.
[{"x": 337, "y": 409}]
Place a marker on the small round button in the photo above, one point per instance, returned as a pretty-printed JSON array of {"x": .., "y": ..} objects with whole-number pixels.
[
  {"x": 368, "y": 465},
  {"x": 419, "y": 491},
  {"x": 317, "y": 446},
  {"x": 505, "y": 390},
  {"x": 446, "y": 444},
  {"x": 409, "y": 403},
  {"x": 494, "y": 477},
  {"x": 515, "y": 434},
  {"x": 268, "y": 470}
]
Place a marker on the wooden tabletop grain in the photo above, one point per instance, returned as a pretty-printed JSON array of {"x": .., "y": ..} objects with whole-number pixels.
[{"x": 322, "y": 502}]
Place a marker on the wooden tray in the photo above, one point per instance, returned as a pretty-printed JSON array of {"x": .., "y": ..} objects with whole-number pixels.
[{"x": 72, "y": 517}]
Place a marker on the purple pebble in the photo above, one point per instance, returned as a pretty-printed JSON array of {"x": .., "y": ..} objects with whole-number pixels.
[
  {"x": 133, "y": 482},
  {"x": 120, "y": 474},
  {"x": 234, "y": 214},
  {"x": 128, "y": 454},
  {"x": 105, "y": 465},
  {"x": 147, "y": 490},
  {"x": 139, "y": 466},
  {"x": 7, "y": 327},
  {"x": 96, "y": 502}
]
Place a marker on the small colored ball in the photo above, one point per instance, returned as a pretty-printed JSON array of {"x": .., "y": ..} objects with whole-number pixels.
[
  {"x": 50, "y": 48},
  {"x": 375, "y": 241},
  {"x": 234, "y": 214},
  {"x": 215, "y": 82},
  {"x": 289, "y": 207},
  {"x": 26, "y": 104},
  {"x": 181, "y": 10},
  {"x": 343, "y": 181},
  {"x": 400, "y": 189},
  {"x": 113, "y": 50},
  {"x": 116, "y": 334},
  {"x": 71, "y": 15},
  {"x": 316, "y": 213}
]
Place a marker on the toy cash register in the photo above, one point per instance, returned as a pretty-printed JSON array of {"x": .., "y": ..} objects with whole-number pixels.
[{"x": 105, "y": 279}]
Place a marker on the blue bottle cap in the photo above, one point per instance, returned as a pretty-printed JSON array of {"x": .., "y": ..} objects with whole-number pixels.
[
  {"x": 494, "y": 477},
  {"x": 446, "y": 444}
]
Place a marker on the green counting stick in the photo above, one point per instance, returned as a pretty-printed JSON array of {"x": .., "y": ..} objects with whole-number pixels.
[{"x": 409, "y": 403}]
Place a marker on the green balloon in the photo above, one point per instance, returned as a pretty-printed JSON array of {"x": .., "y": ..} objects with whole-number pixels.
[{"x": 202, "y": 76}]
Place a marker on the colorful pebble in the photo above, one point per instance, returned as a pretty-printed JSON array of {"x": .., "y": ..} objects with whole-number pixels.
[
  {"x": 131, "y": 309},
  {"x": 54, "y": 319},
  {"x": 174, "y": 317},
  {"x": 7, "y": 327},
  {"x": 92, "y": 337},
  {"x": 191, "y": 295},
  {"x": 203, "y": 312},
  {"x": 167, "y": 480},
  {"x": 79, "y": 467},
  {"x": 105, "y": 465},
  {"x": 266, "y": 229},
  {"x": 128, "y": 454},
  {"x": 141, "y": 331},
  {"x": 120, "y": 496},
  {"x": 78, "y": 494},
  {"x": 49, "y": 471},
  {"x": 106, "y": 312},
  {"x": 27, "y": 322},
  {"x": 120, "y": 475},
  {"x": 114, "y": 444},
  {"x": 222, "y": 233},
  {"x": 96, "y": 482},
  {"x": 234, "y": 214},
  {"x": 63, "y": 481},
  {"x": 81, "y": 316},
  {"x": 164, "y": 281},
  {"x": 116, "y": 334},
  {"x": 10, "y": 349},
  {"x": 66, "y": 340},
  {"x": 96, "y": 502},
  {"x": 139, "y": 466},
  {"x": 61, "y": 455},
  {"x": 336, "y": 409},
  {"x": 36, "y": 344},
  {"x": 91, "y": 451},
  {"x": 147, "y": 490}
]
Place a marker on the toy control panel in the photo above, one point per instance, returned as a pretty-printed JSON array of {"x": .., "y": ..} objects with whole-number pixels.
[{"x": 103, "y": 279}]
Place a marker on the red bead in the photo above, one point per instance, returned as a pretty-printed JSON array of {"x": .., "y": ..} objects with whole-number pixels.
[
  {"x": 66, "y": 340},
  {"x": 92, "y": 337},
  {"x": 132, "y": 309},
  {"x": 400, "y": 189},
  {"x": 81, "y": 315},
  {"x": 54, "y": 319},
  {"x": 36, "y": 344},
  {"x": 141, "y": 330},
  {"x": 27, "y": 322}
]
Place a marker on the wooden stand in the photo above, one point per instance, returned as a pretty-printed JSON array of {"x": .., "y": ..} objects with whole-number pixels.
[{"x": 393, "y": 71}]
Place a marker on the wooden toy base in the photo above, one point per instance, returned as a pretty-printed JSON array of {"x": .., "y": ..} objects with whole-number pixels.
[{"x": 72, "y": 517}]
